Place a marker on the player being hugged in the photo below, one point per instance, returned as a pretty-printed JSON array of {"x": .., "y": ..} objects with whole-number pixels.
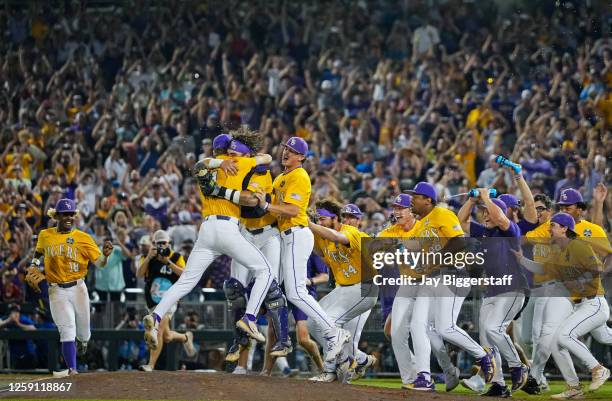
[{"x": 65, "y": 253}]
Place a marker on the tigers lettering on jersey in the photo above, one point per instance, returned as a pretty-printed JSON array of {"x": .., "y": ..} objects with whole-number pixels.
[
  {"x": 344, "y": 261},
  {"x": 218, "y": 206},
  {"x": 294, "y": 188},
  {"x": 66, "y": 255}
]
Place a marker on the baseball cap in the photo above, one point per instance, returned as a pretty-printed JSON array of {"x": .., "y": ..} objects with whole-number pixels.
[
  {"x": 352, "y": 209},
  {"x": 145, "y": 240},
  {"x": 298, "y": 145},
  {"x": 570, "y": 196},
  {"x": 425, "y": 189},
  {"x": 509, "y": 200},
  {"x": 564, "y": 219},
  {"x": 403, "y": 200},
  {"x": 161, "y": 236},
  {"x": 65, "y": 206},
  {"x": 221, "y": 141}
]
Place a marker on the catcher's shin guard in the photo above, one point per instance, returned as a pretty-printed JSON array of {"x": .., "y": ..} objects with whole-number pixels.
[{"x": 276, "y": 304}]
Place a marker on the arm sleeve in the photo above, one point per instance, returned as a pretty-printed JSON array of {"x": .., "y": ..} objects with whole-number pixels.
[
  {"x": 513, "y": 230},
  {"x": 353, "y": 237}
]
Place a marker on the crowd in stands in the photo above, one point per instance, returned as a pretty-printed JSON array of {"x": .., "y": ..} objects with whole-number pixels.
[{"x": 111, "y": 106}]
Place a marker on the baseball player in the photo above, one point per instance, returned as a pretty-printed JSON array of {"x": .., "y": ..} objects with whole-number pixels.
[
  {"x": 350, "y": 303},
  {"x": 571, "y": 202},
  {"x": 527, "y": 218},
  {"x": 161, "y": 268},
  {"x": 290, "y": 200},
  {"x": 574, "y": 263},
  {"x": 501, "y": 303},
  {"x": 436, "y": 228},
  {"x": 220, "y": 235},
  {"x": 402, "y": 306},
  {"x": 66, "y": 252}
]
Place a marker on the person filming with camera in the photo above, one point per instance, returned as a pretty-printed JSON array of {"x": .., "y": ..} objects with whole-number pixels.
[{"x": 161, "y": 268}]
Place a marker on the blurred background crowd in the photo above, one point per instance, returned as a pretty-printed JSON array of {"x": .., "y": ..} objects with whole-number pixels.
[{"x": 112, "y": 104}]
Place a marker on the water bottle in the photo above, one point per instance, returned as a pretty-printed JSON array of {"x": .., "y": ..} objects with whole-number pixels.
[
  {"x": 475, "y": 194},
  {"x": 505, "y": 162}
]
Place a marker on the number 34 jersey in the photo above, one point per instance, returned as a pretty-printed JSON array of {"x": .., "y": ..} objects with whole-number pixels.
[
  {"x": 66, "y": 255},
  {"x": 344, "y": 261}
]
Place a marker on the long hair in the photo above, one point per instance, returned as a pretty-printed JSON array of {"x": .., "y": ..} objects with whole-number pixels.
[{"x": 250, "y": 138}]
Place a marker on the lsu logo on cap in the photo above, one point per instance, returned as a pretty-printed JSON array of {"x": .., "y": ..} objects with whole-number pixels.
[
  {"x": 398, "y": 199},
  {"x": 67, "y": 205},
  {"x": 292, "y": 142},
  {"x": 563, "y": 196}
]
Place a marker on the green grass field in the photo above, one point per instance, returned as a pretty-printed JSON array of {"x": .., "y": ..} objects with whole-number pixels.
[{"x": 604, "y": 393}]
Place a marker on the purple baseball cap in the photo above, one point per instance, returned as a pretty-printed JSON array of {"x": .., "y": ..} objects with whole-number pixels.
[
  {"x": 65, "y": 206},
  {"x": 352, "y": 209},
  {"x": 425, "y": 189},
  {"x": 298, "y": 145},
  {"x": 509, "y": 200},
  {"x": 499, "y": 203},
  {"x": 221, "y": 141},
  {"x": 570, "y": 196},
  {"x": 239, "y": 147},
  {"x": 403, "y": 200},
  {"x": 564, "y": 219}
]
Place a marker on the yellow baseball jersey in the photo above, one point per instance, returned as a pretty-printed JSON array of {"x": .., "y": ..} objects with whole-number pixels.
[
  {"x": 344, "y": 261},
  {"x": 218, "y": 206},
  {"x": 66, "y": 256},
  {"x": 578, "y": 267},
  {"x": 397, "y": 231},
  {"x": 595, "y": 235},
  {"x": 260, "y": 182},
  {"x": 541, "y": 249},
  {"x": 293, "y": 188}
]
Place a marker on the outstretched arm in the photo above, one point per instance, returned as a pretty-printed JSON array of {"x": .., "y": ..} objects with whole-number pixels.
[{"x": 328, "y": 233}]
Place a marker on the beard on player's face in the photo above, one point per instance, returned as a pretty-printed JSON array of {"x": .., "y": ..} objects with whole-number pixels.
[
  {"x": 327, "y": 222},
  {"x": 65, "y": 221}
]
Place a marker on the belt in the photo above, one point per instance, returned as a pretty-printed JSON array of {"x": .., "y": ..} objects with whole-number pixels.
[
  {"x": 585, "y": 299},
  {"x": 69, "y": 284},
  {"x": 220, "y": 217},
  {"x": 262, "y": 229},
  {"x": 292, "y": 230}
]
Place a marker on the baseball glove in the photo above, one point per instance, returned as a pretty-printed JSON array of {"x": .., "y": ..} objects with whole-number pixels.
[
  {"x": 34, "y": 277},
  {"x": 206, "y": 182}
]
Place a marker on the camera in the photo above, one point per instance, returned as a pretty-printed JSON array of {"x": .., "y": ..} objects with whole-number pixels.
[{"x": 161, "y": 251}]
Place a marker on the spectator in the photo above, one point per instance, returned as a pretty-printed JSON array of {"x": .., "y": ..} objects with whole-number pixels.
[
  {"x": 182, "y": 232},
  {"x": 23, "y": 352}
]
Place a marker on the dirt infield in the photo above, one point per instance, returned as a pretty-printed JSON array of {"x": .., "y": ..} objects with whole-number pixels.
[{"x": 217, "y": 386}]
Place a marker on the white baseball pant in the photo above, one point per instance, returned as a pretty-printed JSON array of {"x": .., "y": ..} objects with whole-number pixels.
[
  {"x": 220, "y": 237},
  {"x": 401, "y": 315},
  {"x": 268, "y": 242},
  {"x": 70, "y": 311},
  {"x": 296, "y": 247},
  {"x": 586, "y": 316},
  {"x": 442, "y": 305},
  {"x": 496, "y": 314},
  {"x": 349, "y": 309}
]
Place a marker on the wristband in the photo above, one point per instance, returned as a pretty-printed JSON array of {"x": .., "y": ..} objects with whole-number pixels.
[
  {"x": 266, "y": 206},
  {"x": 517, "y": 177},
  {"x": 232, "y": 196}
]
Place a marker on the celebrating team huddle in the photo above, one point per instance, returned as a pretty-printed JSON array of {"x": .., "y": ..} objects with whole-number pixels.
[{"x": 266, "y": 227}]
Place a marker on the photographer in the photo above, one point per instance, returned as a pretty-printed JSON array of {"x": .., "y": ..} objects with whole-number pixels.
[{"x": 161, "y": 268}]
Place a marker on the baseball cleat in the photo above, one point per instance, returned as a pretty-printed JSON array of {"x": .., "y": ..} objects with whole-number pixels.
[
  {"x": 361, "y": 368},
  {"x": 422, "y": 383},
  {"x": 81, "y": 347},
  {"x": 519, "y": 376},
  {"x": 451, "y": 378},
  {"x": 497, "y": 390},
  {"x": 531, "y": 386},
  {"x": 335, "y": 343},
  {"x": 250, "y": 328},
  {"x": 345, "y": 369},
  {"x": 474, "y": 383},
  {"x": 146, "y": 368},
  {"x": 281, "y": 349},
  {"x": 599, "y": 376},
  {"x": 64, "y": 373},
  {"x": 150, "y": 334},
  {"x": 571, "y": 393},
  {"x": 487, "y": 364},
  {"x": 324, "y": 377},
  {"x": 188, "y": 345},
  {"x": 408, "y": 386}
]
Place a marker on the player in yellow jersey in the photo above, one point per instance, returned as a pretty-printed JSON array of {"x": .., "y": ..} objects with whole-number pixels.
[
  {"x": 350, "y": 303},
  {"x": 436, "y": 230},
  {"x": 220, "y": 235},
  {"x": 574, "y": 263},
  {"x": 401, "y": 313},
  {"x": 289, "y": 203},
  {"x": 65, "y": 252}
]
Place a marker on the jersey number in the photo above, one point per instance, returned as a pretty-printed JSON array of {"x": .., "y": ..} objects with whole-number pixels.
[
  {"x": 349, "y": 271},
  {"x": 165, "y": 270},
  {"x": 74, "y": 267}
]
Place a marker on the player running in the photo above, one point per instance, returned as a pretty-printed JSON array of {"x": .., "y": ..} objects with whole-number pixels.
[{"x": 67, "y": 252}]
